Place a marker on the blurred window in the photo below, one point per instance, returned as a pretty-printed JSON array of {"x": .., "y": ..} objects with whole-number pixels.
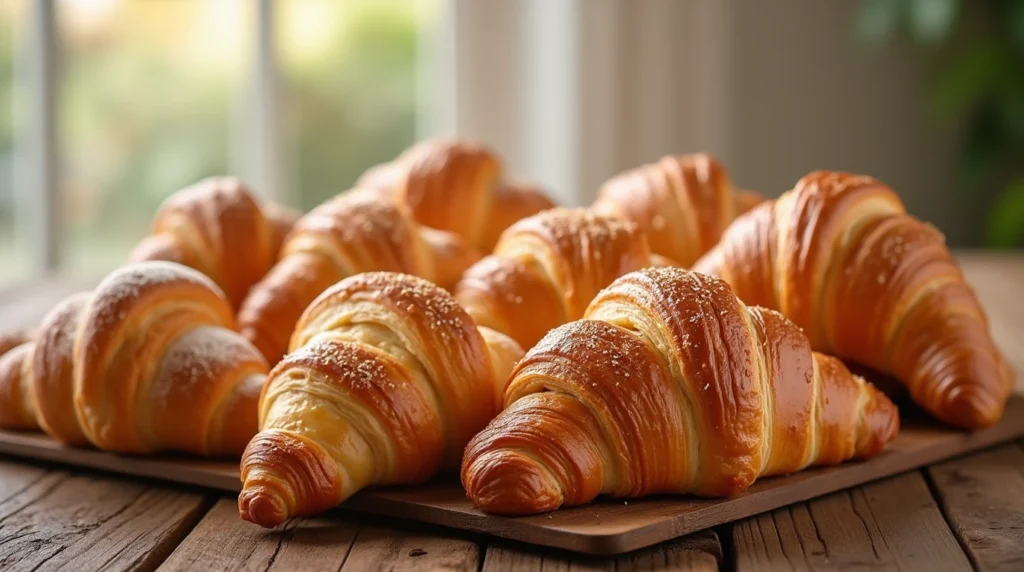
[
  {"x": 13, "y": 262},
  {"x": 155, "y": 95}
]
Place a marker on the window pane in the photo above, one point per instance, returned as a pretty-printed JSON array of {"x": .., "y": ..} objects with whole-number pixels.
[
  {"x": 13, "y": 260},
  {"x": 146, "y": 104},
  {"x": 349, "y": 70}
]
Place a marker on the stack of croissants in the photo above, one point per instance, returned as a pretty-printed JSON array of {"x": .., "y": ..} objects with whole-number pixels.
[{"x": 680, "y": 335}]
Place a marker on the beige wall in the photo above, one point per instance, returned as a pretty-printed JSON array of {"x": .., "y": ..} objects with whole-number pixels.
[
  {"x": 808, "y": 95},
  {"x": 573, "y": 91}
]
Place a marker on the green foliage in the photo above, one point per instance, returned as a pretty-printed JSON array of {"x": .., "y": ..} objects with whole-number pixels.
[
  {"x": 1004, "y": 225},
  {"x": 980, "y": 83}
]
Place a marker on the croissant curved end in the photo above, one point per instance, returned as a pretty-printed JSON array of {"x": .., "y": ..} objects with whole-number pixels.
[
  {"x": 263, "y": 505},
  {"x": 510, "y": 483},
  {"x": 879, "y": 425},
  {"x": 286, "y": 475},
  {"x": 972, "y": 407}
]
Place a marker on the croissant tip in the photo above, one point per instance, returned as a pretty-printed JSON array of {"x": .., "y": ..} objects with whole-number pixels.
[
  {"x": 972, "y": 408},
  {"x": 511, "y": 485},
  {"x": 263, "y": 507}
]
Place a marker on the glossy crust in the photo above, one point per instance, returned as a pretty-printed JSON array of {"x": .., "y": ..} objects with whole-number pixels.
[
  {"x": 388, "y": 380},
  {"x": 17, "y": 409},
  {"x": 217, "y": 227},
  {"x": 147, "y": 362},
  {"x": 867, "y": 282},
  {"x": 671, "y": 385},
  {"x": 457, "y": 186},
  {"x": 682, "y": 203},
  {"x": 356, "y": 232},
  {"x": 546, "y": 269}
]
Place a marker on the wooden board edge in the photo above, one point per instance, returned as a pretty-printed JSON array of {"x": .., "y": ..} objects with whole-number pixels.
[{"x": 813, "y": 483}]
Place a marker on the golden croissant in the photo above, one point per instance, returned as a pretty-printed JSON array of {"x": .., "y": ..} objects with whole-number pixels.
[
  {"x": 217, "y": 227},
  {"x": 457, "y": 186},
  {"x": 546, "y": 269},
  {"x": 355, "y": 232},
  {"x": 867, "y": 282},
  {"x": 147, "y": 362},
  {"x": 682, "y": 203},
  {"x": 388, "y": 380},
  {"x": 670, "y": 385}
]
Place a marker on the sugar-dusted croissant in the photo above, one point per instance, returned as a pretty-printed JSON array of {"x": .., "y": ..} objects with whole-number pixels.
[
  {"x": 867, "y": 282},
  {"x": 217, "y": 227},
  {"x": 546, "y": 269},
  {"x": 671, "y": 385},
  {"x": 683, "y": 203},
  {"x": 147, "y": 362},
  {"x": 388, "y": 380},
  {"x": 356, "y": 232},
  {"x": 457, "y": 186}
]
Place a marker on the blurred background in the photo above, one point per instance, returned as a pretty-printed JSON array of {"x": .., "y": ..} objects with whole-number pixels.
[{"x": 109, "y": 106}]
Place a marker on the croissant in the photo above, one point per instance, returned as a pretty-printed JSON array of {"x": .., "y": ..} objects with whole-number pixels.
[
  {"x": 867, "y": 282},
  {"x": 456, "y": 186},
  {"x": 216, "y": 227},
  {"x": 147, "y": 362},
  {"x": 546, "y": 269},
  {"x": 671, "y": 385},
  {"x": 11, "y": 339},
  {"x": 356, "y": 232},
  {"x": 682, "y": 203},
  {"x": 387, "y": 381}
]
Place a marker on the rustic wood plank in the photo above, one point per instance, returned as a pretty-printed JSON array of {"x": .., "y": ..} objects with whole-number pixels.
[
  {"x": 223, "y": 541},
  {"x": 698, "y": 552},
  {"x": 605, "y": 527},
  {"x": 982, "y": 496},
  {"x": 893, "y": 524},
  {"x": 51, "y": 519},
  {"x": 380, "y": 548}
]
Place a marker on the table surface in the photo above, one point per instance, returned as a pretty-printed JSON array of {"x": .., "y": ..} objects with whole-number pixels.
[{"x": 962, "y": 514}]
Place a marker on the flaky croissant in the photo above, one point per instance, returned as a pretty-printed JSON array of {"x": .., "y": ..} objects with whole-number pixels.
[
  {"x": 388, "y": 380},
  {"x": 147, "y": 362},
  {"x": 546, "y": 269},
  {"x": 217, "y": 227},
  {"x": 356, "y": 232},
  {"x": 11, "y": 339},
  {"x": 867, "y": 282},
  {"x": 457, "y": 186},
  {"x": 671, "y": 385},
  {"x": 682, "y": 203}
]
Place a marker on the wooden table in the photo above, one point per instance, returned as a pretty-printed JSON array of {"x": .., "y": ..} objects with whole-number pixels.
[{"x": 962, "y": 514}]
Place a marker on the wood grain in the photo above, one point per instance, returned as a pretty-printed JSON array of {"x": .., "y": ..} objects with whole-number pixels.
[
  {"x": 55, "y": 520},
  {"x": 698, "y": 552},
  {"x": 378, "y": 548},
  {"x": 604, "y": 527},
  {"x": 893, "y": 524},
  {"x": 223, "y": 541},
  {"x": 982, "y": 496}
]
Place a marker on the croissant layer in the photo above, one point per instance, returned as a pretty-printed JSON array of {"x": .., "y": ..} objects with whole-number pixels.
[
  {"x": 867, "y": 282},
  {"x": 670, "y": 385},
  {"x": 682, "y": 203},
  {"x": 388, "y": 380},
  {"x": 546, "y": 269},
  {"x": 357, "y": 232},
  {"x": 147, "y": 362}
]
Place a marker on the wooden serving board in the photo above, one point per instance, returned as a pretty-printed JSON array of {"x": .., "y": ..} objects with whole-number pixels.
[{"x": 605, "y": 527}]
